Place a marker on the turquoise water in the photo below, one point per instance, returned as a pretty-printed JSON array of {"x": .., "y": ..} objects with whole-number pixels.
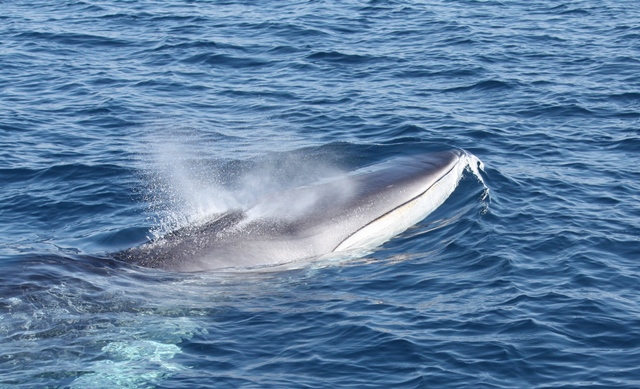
[{"x": 121, "y": 121}]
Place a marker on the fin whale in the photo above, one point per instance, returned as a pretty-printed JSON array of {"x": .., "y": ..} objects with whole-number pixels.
[{"x": 356, "y": 211}]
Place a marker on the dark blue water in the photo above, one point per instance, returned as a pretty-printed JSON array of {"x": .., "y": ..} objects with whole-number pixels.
[{"x": 120, "y": 120}]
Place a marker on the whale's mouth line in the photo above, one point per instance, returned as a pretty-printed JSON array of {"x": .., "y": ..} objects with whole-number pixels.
[{"x": 386, "y": 214}]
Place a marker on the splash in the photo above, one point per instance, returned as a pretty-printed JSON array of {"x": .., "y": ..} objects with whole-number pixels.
[
  {"x": 188, "y": 184},
  {"x": 178, "y": 190},
  {"x": 475, "y": 165}
]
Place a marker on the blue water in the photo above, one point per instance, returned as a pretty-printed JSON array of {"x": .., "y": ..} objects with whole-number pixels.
[{"x": 121, "y": 120}]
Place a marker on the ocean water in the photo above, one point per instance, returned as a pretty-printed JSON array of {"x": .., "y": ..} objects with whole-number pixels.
[{"x": 123, "y": 120}]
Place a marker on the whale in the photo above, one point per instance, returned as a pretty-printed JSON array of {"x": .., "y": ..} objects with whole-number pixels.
[{"x": 339, "y": 215}]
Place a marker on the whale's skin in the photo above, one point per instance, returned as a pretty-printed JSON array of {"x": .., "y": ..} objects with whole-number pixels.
[{"x": 356, "y": 211}]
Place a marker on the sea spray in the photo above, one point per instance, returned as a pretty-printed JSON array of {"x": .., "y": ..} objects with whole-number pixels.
[{"x": 185, "y": 183}]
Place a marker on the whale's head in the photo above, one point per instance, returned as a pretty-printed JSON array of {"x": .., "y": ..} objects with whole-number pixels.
[{"x": 355, "y": 211}]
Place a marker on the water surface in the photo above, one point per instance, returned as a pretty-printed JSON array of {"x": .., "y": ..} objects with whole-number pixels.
[{"x": 120, "y": 121}]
